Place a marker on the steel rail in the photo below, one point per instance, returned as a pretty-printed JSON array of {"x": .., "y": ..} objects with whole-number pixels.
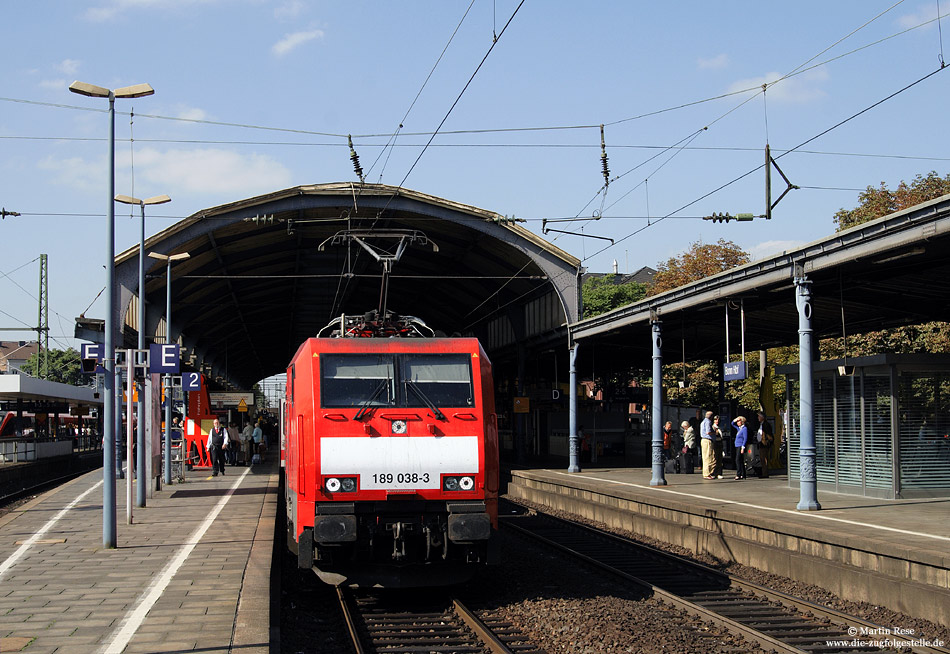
[
  {"x": 481, "y": 630},
  {"x": 839, "y": 618},
  {"x": 350, "y": 623},
  {"x": 454, "y": 627},
  {"x": 763, "y": 640}
]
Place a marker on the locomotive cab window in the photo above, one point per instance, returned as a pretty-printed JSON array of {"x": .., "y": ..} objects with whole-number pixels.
[
  {"x": 348, "y": 380},
  {"x": 444, "y": 380},
  {"x": 407, "y": 380}
]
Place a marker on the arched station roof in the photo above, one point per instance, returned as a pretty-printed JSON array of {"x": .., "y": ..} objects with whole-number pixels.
[{"x": 265, "y": 273}]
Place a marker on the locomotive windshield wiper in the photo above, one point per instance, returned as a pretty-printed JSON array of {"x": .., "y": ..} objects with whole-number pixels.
[
  {"x": 365, "y": 404},
  {"x": 425, "y": 398}
]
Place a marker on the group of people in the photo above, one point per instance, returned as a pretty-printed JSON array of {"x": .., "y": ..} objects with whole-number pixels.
[
  {"x": 751, "y": 447},
  {"x": 679, "y": 448},
  {"x": 224, "y": 442}
]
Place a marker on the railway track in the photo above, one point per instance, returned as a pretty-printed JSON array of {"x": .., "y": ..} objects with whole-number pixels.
[
  {"x": 771, "y": 619},
  {"x": 9, "y": 498},
  {"x": 378, "y": 623}
]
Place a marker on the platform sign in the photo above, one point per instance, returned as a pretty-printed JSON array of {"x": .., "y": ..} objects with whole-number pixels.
[
  {"x": 91, "y": 355},
  {"x": 191, "y": 381},
  {"x": 733, "y": 370},
  {"x": 230, "y": 400},
  {"x": 164, "y": 358}
]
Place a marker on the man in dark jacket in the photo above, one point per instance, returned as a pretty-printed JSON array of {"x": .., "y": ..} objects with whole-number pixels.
[{"x": 217, "y": 442}]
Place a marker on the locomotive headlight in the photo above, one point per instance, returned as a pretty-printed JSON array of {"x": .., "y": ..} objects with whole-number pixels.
[
  {"x": 348, "y": 484},
  {"x": 458, "y": 483},
  {"x": 332, "y": 484}
]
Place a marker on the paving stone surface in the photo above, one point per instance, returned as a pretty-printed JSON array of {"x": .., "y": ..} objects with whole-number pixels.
[{"x": 69, "y": 594}]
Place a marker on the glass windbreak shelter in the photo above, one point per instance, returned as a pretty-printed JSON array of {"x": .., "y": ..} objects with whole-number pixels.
[{"x": 882, "y": 425}]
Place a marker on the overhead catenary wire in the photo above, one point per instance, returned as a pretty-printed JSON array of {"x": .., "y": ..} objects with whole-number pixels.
[
  {"x": 566, "y": 146},
  {"x": 392, "y": 138},
  {"x": 431, "y": 144},
  {"x": 581, "y": 126},
  {"x": 940, "y": 36},
  {"x": 462, "y": 92},
  {"x": 763, "y": 90},
  {"x": 747, "y": 173},
  {"x": 432, "y": 137}
]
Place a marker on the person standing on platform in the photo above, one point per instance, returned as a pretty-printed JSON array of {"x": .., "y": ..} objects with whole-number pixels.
[
  {"x": 706, "y": 441},
  {"x": 233, "y": 440},
  {"x": 585, "y": 444},
  {"x": 247, "y": 442},
  {"x": 689, "y": 443},
  {"x": 258, "y": 437},
  {"x": 764, "y": 438},
  {"x": 668, "y": 441},
  {"x": 742, "y": 438},
  {"x": 717, "y": 448},
  {"x": 217, "y": 444}
]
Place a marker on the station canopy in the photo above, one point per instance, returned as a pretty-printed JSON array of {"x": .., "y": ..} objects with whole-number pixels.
[
  {"x": 889, "y": 272},
  {"x": 268, "y": 272}
]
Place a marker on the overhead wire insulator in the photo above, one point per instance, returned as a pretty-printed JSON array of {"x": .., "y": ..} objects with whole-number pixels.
[
  {"x": 726, "y": 217},
  {"x": 355, "y": 158},
  {"x": 603, "y": 157},
  {"x": 260, "y": 220}
]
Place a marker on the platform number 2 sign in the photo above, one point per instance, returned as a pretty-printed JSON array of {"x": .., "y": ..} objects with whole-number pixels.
[{"x": 191, "y": 381}]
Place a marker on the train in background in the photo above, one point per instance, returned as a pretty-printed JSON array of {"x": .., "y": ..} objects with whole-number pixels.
[{"x": 390, "y": 446}]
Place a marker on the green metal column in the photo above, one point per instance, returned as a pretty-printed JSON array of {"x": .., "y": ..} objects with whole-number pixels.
[{"x": 42, "y": 322}]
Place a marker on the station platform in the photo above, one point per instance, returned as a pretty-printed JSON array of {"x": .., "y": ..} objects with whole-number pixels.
[
  {"x": 893, "y": 553},
  {"x": 191, "y": 573}
]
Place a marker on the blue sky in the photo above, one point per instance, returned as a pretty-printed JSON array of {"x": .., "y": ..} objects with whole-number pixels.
[{"x": 253, "y": 96}]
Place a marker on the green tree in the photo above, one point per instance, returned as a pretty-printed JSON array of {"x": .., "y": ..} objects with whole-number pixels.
[
  {"x": 874, "y": 203},
  {"x": 64, "y": 367},
  {"x": 601, "y": 295},
  {"x": 698, "y": 262},
  {"x": 878, "y": 202},
  {"x": 702, "y": 377}
]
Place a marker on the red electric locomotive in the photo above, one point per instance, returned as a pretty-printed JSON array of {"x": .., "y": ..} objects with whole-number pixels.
[{"x": 391, "y": 455}]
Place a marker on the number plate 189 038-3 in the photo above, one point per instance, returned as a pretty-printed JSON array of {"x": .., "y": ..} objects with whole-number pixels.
[
  {"x": 399, "y": 463},
  {"x": 398, "y": 480}
]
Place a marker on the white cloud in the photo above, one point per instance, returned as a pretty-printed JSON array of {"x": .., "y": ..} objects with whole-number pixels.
[
  {"x": 195, "y": 172},
  {"x": 799, "y": 89},
  {"x": 69, "y": 66},
  {"x": 112, "y": 8},
  {"x": 292, "y": 41},
  {"x": 922, "y": 15},
  {"x": 54, "y": 84},
  {"x": 190, "y": 113},
  {"x": 713, "y": 63},
  {"x": 210, "y": 171},
  {"x": 75, "y": 172},
  {"x": 767, "y": 249},
  {"x": 290, "y": 9}
]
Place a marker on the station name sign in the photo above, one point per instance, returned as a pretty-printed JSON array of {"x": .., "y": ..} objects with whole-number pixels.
[{"x": 733, "y": 370}]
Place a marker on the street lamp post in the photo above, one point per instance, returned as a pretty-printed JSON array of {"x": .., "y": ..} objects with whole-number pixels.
[
  {"x": 109, "y": 450},
  {"x": 168, "y": 378},
  {"x": 140, "y": 489}
]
